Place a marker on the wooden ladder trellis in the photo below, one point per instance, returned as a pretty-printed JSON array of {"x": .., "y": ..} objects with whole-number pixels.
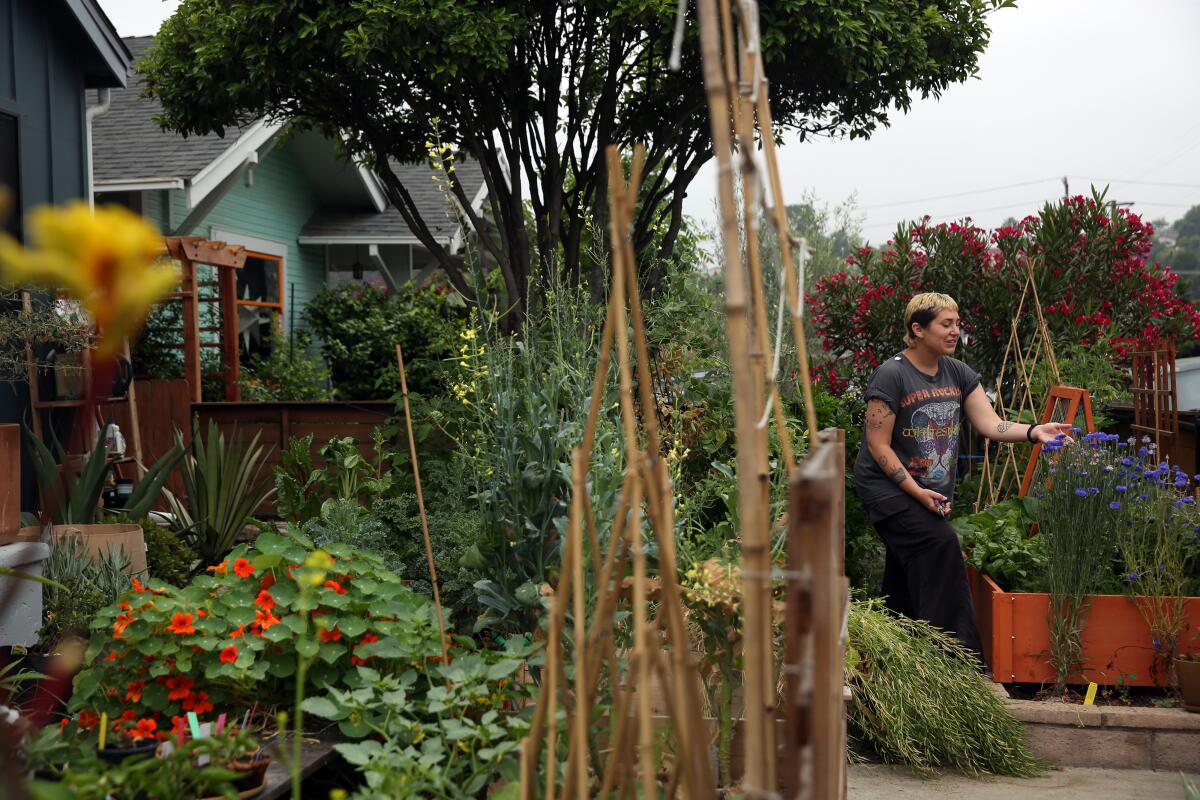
[
  {"x": 1001, "y": 476},
  {"x": 1156, "y": 400}
]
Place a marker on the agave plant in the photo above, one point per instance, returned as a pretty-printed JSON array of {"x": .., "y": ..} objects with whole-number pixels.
[
  {"x": 74, "y": 499},
  {"x": 224, "y": 483}
]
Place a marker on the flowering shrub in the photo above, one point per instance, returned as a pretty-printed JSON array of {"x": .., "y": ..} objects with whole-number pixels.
[
  {"x": 1092, "y": 278},
  {"x": 232, "y": 637}
]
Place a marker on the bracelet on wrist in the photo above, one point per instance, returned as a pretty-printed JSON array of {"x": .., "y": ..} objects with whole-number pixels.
[{"x": 1029, "y": 433}]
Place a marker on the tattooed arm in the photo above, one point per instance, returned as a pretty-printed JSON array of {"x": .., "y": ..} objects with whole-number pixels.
[
  {"x": 880, "y": 422},
  {"x": 984, "y": 419}
]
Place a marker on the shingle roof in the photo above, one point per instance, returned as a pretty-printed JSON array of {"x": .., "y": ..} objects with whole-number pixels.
[
  {"x": 428, "y": 196},
  {"x": 128, "y": 145}
]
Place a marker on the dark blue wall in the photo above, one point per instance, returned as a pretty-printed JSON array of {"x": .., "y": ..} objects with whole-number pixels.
[{"x": 42, "y": 53}]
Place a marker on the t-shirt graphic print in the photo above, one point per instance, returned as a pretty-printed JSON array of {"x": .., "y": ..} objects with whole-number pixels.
[{"x": 928, "y": 424}]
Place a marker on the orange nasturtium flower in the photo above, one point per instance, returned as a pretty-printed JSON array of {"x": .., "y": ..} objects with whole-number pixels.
[
  {"x": 121, "y": 623},
  {"x": 180, "y": 687},
  {"x": 219, "y": 569},
  {"x": 110, "y": 260},
  {"x": 265, "y": 601},
  {"x": 181, "y": 623},
  {"x": 243, "y": 568},
  {"x": 337, "y": 587},
  {"x": 133, "y": 692},
  {"x": 229, "y": 654}
]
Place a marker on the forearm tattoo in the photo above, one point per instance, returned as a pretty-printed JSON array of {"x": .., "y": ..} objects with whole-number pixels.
[
  {"x": 1003, "y": 426},
  {"x": 899, "y": 474}
]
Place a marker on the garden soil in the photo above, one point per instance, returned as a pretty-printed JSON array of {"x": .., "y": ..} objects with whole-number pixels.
[{"x": 879, "y": 782}]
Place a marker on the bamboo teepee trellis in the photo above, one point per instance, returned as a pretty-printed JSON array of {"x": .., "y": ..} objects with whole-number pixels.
[
  {"x": 1000, "y": 476},
  {"x": 594, "y": 651}
]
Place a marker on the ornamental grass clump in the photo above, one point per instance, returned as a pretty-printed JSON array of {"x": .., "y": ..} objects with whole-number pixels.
[{"x": 919, "y": 700}]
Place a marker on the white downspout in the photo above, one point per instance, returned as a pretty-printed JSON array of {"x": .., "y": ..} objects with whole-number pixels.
[{"x": 104, "y": 96}]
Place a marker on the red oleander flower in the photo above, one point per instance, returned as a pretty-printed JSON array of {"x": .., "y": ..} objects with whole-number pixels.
[
  {"x": 181, "y": 623},
  {"x": 133, "y": 692},
  {"x": 243, "y": 568},
  {"x": 337, "y": 587},
  {"x": 229, "y": 654}
]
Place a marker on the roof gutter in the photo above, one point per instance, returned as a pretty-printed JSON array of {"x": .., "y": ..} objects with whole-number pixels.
[{"x": 105, "y": 98}]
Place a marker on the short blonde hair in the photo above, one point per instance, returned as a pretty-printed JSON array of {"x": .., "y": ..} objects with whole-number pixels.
[{"x": 922, "y": 309}]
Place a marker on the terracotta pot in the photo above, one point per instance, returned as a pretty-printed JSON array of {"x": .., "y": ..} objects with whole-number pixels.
[
  {"x": 1117, "y": 645},
  {"x": 99, "y": 539},
  {"x": 1188, "y": 673}
]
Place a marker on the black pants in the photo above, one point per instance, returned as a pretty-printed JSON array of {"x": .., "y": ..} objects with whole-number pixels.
[{"x": 923, "y": 575}]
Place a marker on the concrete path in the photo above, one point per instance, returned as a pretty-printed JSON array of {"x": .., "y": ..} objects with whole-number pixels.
[{"x": 877, "y": 782}]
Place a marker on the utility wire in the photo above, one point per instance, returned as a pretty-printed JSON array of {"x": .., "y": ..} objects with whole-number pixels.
[
  {"x": 958, "y": 194},
  {"x": 1138, "y": 183}
]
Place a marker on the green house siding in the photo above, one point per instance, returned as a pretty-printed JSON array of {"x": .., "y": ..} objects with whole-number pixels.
[{"x": 274, "y": 208}]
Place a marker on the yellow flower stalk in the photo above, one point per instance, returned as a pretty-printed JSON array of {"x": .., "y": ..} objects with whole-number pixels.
[{"x": 110, "y": 260}]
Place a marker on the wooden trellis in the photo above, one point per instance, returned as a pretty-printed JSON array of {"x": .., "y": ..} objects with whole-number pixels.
[
  {"x": 191, "y": 251},
  {"x": 1001, "y": 475},
  {"x": 1156, "y": 400}
]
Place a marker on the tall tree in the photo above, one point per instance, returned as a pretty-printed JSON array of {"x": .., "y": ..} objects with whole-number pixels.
[{"x": 533, "y": 90}]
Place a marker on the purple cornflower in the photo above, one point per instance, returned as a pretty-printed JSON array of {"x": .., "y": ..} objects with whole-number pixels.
[
  {"x": 1081, "y": 492},
  {"x": 1115, "y": 505}
]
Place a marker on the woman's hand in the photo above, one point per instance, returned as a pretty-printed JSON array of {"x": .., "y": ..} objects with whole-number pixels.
[
  {"x": 934, "y": 502},
  {"x": 1049, "y": 431}
]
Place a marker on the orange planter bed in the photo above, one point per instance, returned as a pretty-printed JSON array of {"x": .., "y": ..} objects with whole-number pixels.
[{"x": 1116, "y": 641}]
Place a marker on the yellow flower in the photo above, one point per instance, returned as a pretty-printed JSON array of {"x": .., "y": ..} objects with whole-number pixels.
[{"x": 109, "y": 260}]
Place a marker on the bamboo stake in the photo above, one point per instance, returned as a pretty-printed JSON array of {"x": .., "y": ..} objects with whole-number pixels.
[
  {"x": 794, "y": 290},
  {"x": 412, "y": 451},
  {"x": 641, "y": 652},
  {"x": 760, "y": 583},
  {"x": 579, "y": 731}
]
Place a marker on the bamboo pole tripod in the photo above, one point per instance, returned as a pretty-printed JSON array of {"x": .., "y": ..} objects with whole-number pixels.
[
  {"x": 660, "y": 645},
  {"x": 1000, "y": 477}
]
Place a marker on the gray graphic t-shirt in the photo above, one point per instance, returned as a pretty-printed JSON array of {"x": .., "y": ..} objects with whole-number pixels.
[{"x": 928, "y": 411}]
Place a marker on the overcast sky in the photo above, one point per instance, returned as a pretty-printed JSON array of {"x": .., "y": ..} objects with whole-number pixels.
[{"x": 1102, "y": 91}]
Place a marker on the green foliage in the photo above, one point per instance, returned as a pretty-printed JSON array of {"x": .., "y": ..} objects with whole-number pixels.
[
  {"x": 80, "y": 587},
  {"x": 918, "y": 699},
  {"x": 289, "y": 371},
  {"x": 454, "y": 532},
  {"x": 300, "y": 486},
  {"x": 168, "y": 556},
  {"x": 347, "y": 522},
  {"x": 359, "y": 327},
  {"x": 223, "y": 485},
  {"x": 523, "y": 409},
  {"x": 561, "y": 77},
  {"x": 1095, "y": 366},
  {"x": 998, "y": 543},
  {"x": 75, "y": 499},
  {"x": 444, "y": 733},
  {"x": 232, "y": 637},
  {"x": 57, "y": 326},
  {"x": 79, "y": 774}
]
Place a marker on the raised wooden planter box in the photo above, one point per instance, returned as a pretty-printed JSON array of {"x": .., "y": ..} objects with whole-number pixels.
[
  {"x": 277, "y": 423},
  {"x": 1117, "y": 646}
]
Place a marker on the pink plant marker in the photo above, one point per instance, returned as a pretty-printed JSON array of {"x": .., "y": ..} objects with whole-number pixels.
[{"x": 220, "y": 724}]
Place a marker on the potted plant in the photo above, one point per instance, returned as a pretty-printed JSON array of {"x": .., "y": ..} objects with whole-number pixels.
[{"x": 1187, "y": 672}]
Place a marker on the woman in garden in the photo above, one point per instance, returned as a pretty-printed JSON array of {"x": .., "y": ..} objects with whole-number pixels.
[{"x": 905, "y": 471}]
